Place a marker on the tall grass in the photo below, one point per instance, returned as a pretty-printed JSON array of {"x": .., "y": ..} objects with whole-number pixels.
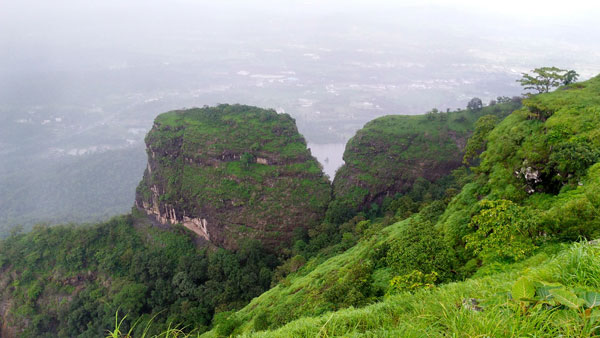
[
  {"x": 170, "y": 332},
  {"x": 439, "y": 312}
]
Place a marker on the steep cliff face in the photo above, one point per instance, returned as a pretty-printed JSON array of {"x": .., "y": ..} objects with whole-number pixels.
[
  {"x": 390, "y": 153},
  {"x": 232, "y": 172}
]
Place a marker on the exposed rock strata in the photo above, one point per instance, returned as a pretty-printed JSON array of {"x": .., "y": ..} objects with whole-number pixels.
[{"x": 232, "y": 172}]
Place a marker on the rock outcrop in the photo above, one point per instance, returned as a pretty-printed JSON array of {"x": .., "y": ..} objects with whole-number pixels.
[
  {"x": 232, "y": 172},
  {"x": 390, "y": 153}
]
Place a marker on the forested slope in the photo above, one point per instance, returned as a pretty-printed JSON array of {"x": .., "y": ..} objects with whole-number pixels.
[{"x": 537, "y": 184}]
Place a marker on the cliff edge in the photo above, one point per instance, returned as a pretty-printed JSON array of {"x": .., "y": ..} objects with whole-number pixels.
[{"x": 232, "y": 172}]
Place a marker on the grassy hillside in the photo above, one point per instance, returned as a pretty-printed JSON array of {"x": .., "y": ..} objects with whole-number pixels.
[
  {"x": 537, "y": 184},
  {"x": 541, "y": 158},
  {"x": 484, "y": 305},
  {"x": 500, "y": 249}
]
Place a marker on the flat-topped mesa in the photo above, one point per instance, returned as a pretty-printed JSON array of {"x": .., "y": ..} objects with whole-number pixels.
[{"x": 232, "y": 172}]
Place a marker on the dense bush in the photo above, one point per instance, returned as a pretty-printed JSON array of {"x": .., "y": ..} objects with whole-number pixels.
[
  {"x": 476, "y": 142},
  {"x": 261, "y": 321},
  {"x": 570, "y": 160},
  {"x": 412, "y": 281},
  {"x": 421, "y": 247},
  {"x": 503, "y": 230},
  {"x": 351, "y": 286}
]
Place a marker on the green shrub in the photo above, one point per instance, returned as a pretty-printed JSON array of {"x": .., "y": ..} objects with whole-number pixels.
[
  {"x": 420, "y": 247},
  {"x": 503, "y": 230},
  {"x": 247, "y": 159},
  {"x": 261, "y": 321},
  {"x": 340, "y": 210},
  {"x": 573, "y": 159},
  {"x": 412, "y": 281},
  {"x": 350, "y": 287},
  {"x": 477, "y": 141},
  {"x": 226, "y": 323}
]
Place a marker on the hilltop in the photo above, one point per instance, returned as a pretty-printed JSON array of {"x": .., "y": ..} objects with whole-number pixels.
[
  {"x": 232, "y": 172},
  {"x": 394, "y": 154}
]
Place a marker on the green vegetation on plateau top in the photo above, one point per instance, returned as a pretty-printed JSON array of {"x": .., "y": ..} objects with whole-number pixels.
[
  {"x": 233, "y": 129},
  {"x": 390, "y": 153}
]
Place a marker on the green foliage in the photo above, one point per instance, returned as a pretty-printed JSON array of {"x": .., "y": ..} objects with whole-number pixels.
[
  {"x": 531, "y": 293},
  {"x": 446, "y": 311},
  {"x": 500, "y": 215},
  {"x": 503, "y": 230},
  {"x": 247, "y": 159},
  {"x": 523, "y": 288},
  {"x": 412, "y": 281},
  {"x": 476, "y": 142},
  {"x": 261, "y": 321},
  {"x": 226, "y": 324},
  {"x": 569, "y": 77},
  {"x": 350, "y": 287},
  {"x": 420, "y": 247},
  {"x": 130, "y": 298},
  {"x": 340, "y": 210},
  {"x": 139, "y": 272},
  {"x": 290, "y": 266},
  {"x": 520, "y": 212},
  {"x": 571, "y": 159},
  {"x": 545, "y": 78}
]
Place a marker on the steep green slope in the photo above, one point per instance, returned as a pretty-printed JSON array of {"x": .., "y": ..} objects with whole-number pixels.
[
  {"x": 541, "y": 158},
  {"x": 68, "y": 281},
  {"x": 488, "y": 260},
  {"x": 537, "y": 184},
  {"x": 481, "y": 306},
  {"x": 355, "y": 277},
  {"x": 231, "y": 172},
  {"x": 390, "y": 153}
]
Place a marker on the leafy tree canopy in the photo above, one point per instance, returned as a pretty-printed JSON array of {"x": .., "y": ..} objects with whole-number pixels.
[{"x": 545, "y": 78}]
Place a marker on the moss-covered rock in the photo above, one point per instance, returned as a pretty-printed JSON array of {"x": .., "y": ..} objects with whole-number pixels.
[
  {"x": 231, "y": 172},
  {"x": 390, "y": 153}
]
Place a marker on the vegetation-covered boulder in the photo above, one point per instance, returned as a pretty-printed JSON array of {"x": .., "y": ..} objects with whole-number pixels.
[{"x": 232, "y": 172}]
